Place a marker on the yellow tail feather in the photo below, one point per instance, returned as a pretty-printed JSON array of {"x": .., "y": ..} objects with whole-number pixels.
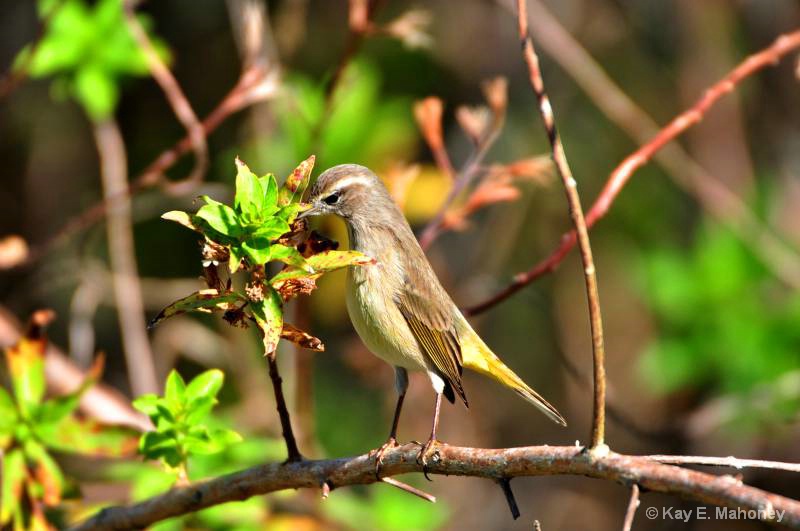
[{"x": 478, "y": 357}]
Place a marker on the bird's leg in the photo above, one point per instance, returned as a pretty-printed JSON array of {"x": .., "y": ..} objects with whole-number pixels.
[
  {"x": 428, "y": 446},
  {"x": 401, "y": 383}
]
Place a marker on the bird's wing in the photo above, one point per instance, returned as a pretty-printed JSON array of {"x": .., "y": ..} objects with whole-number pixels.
[{"x": 425, "y": 308}]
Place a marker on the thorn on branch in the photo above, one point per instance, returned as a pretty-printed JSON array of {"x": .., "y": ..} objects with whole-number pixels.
[{"x": 505, "y": 484}]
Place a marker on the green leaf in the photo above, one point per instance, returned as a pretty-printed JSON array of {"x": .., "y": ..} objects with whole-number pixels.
[
  {"x": 290, "y": 211},
  {"x": 270, "y": 187},
  {"x": 13, "y": 478},
  {"x": 96, "y": 91},
  {"x": 47, "y": 472},
  {"x": 296, "y": 183},
  {"x": 271, "y": 228},
  {"x": 257, "y": 250},
  {"x": 183, "y": 218},
  {"x": 26, "y": 368},
  {"x": 204, "y": 385},
  {"x": 8, "y": 415},
  {"x": 147, "y": 404},
  {"x": 54, "y": 410},
  {"x": 220, "y": 217},
  {"x": 325, "y": 262},
  {"x": 249, "y": 197},
  {"x": 203, "y": 442},
  {"x": 152, "y": 441},
  {"x": 88, "y": 437},
  {"x": 66, "y": 42},
  {"x": 291, "y": 256},
  {"x": 268, "y": 314},
  {"x": 206, "y": 300},
  {"x": 175, "y": 390},
  {"x": 235, "y": 259},
  {"x": 200, "y": 409}
]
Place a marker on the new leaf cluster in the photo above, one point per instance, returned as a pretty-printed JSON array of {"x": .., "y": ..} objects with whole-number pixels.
[
  {"x": 178, "y": 419},
  {"x": 259, "y": 228}
]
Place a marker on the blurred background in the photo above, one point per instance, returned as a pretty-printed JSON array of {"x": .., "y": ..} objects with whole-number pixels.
[{"x": 698, "y": 260}]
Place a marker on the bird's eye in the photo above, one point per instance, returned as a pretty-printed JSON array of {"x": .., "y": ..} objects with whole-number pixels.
[{"x": 332, "y": 199}]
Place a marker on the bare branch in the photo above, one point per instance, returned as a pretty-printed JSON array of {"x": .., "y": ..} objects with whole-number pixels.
[
  {"x": 177, "y": 100},
  {"x": 283, "y": 412},
  {"x": 632, "y": 506},
  {"x": 125, "y": 280},
  {"x": 576, "y": 212},
  {"x": 770, "y": 56},
  {"x": 408, "y": 488},
  {"x": 724, "y": 491}
]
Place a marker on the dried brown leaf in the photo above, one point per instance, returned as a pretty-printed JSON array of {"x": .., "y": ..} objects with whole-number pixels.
[
  {"x": 428, "y": 113},
  {"x": 299, "y": 337}
]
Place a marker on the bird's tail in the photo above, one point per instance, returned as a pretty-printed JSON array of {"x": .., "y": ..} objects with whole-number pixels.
[{"x": 479, "y": 357}]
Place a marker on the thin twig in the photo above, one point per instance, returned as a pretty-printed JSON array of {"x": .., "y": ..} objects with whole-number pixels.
[
  {"x": 177, "y": 100},
  {"x": 408, "y": 488},
  {"x": 121, "y": 250},
  {"x": 724, "y": 491},
  {"x": 729, "y": 461},
  {"x": 619, "y": 177},
  {"x": 468, "y": 172},
  {"x": 632, "y": 506},
  {"x": 576, "y": 212},
  {"x": 283, "y": 412}
]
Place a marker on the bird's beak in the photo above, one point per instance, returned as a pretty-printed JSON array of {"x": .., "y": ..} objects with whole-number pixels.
[{"x": 310, "y": 210}]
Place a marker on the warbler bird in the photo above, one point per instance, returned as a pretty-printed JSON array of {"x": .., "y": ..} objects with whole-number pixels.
[{"x": 398, "y": 306}]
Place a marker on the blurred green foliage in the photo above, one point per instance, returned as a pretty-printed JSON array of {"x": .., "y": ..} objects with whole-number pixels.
[
  {"x": 725, "y": 327},
  {"x": 361, "y": 124},
  {"x": 31, "y": 426},
  {"x": 180, "y": 431},
  {"x": 89, "y": 49}
]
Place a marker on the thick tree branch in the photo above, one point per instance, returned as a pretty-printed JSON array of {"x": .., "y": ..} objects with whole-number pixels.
[
  {"x": 724, "y": 491},
  {"x": 770, "y": 56},
  {"x": 582, "y": 231}
]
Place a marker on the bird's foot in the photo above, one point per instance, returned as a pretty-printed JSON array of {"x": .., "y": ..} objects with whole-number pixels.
[
  {"x": 428, "y": 453},
  {"x": 378, "y": 453}
]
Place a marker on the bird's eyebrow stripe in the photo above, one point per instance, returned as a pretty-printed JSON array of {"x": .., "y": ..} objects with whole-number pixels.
[{"x": 349, "y": 181}]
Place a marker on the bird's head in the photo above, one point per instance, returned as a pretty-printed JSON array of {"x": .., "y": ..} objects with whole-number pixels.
[{"x": 348, "y": 190}]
